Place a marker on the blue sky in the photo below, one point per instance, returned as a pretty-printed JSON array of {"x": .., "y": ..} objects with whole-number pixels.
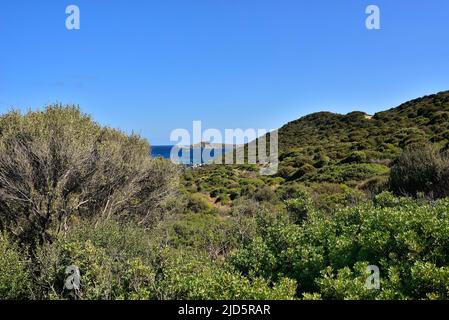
[{"x": 155, "y": 65}]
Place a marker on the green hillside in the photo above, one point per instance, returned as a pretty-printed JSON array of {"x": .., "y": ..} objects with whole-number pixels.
[
  {"x": 380, "y": 135},
  {"x": 327, "y": 139}
]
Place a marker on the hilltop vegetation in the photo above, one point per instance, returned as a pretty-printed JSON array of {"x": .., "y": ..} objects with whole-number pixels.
[
  {"x": 352, "y": 191},
  {"x": 381, "y": 136}
]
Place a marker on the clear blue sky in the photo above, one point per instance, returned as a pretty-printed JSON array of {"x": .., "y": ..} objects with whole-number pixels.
[{"x": 155, "y": 65}]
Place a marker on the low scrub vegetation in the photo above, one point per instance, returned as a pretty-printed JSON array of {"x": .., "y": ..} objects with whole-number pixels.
[{"x": 352, "y": 191}]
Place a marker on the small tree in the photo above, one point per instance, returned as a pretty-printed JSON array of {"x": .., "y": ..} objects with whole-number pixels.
[
  {"x": 421, "y": 169},
  {"x": 58, "y": 165}
]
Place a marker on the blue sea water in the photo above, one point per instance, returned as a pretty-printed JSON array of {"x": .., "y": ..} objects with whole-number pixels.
[
  {"x": 187, "y": 156},
  {"x": 161, "y": 151}
]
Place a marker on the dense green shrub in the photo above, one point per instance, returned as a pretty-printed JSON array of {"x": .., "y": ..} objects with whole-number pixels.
[
  {"x": 327, "y": 255},
  {"x": 342, "y": 196},
  {"x": 199, "y": 203},
  {"x": 299, "y": 208},
  {"x": 265, "y": 193},
  {"x": 199, "y": 278},
  {"x": 115, "y": 262},
  {"x": 346, "y": 284},
  {"x": 113, "y": 265},
  {"x": 291, "y": 190},
  {"x": 15, "y": 278}
]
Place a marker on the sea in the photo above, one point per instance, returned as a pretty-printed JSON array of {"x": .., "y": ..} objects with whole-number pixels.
[{"x": 186, "y": 155}]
